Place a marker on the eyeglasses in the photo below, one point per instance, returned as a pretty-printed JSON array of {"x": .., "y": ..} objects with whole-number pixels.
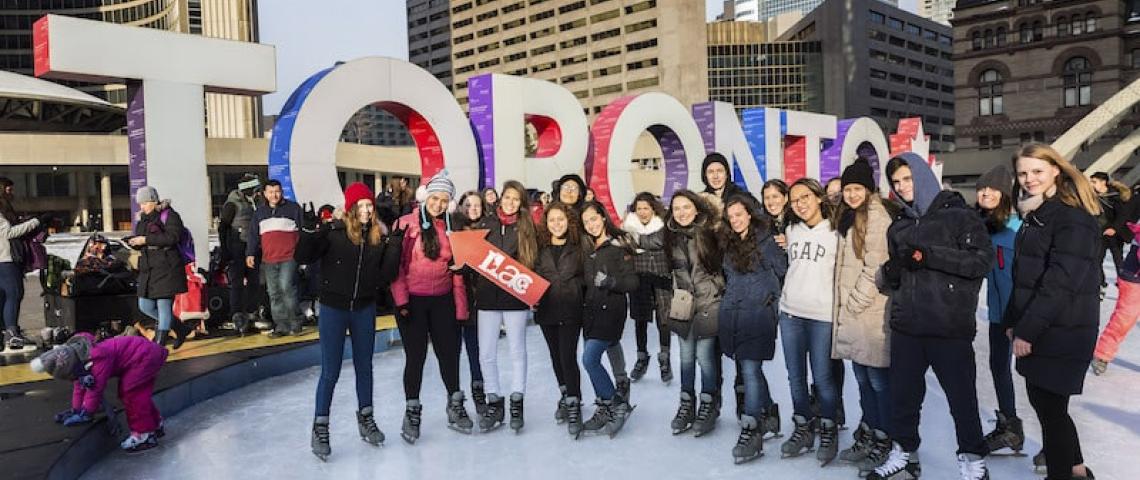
[
  {"x": 802, "y": 199},
  {"x": 569, "y": 187}
]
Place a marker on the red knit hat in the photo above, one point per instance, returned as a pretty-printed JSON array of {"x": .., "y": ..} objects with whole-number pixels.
[{"x": 356, "y": 192}]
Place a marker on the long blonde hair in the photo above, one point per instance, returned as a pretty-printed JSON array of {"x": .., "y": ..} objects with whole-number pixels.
[
  {"x": 355, "y": 229},
  {"x": 1073, "y": 188}
]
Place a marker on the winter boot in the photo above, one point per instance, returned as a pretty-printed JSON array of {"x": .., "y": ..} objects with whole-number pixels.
[
  {"x": 573, "y": 416},
  {"x": 411, "y": 429},
  {"x": 1099, "y": 366},
  {"x": 666, "y": 367},
  {"x": 478, "y": 397},
  {"x": 516, "y": 411},
  {"x": 1007, "y": 434},
  {"x": 862, "y": 446},
  {"x": 457, "y": 418},
  {"x": 828, "y": 441},
  {"x": 16, "y": 340},
  {"x": 320, "y": 442},
  {"x": 878, "y": 452},
  {"x": 601, "y": 418},
  {"x": 683, "y": 421},
  {"x": 160, "y": 337},
  {"x": 619, "y": 412},
  {"x": 770, "y": 421},
  {"x": 750, "y": 443},
  {"x": 369, "y": 432},
  {"x": 972, "y": 467},
  {"x": 493, "y": 418},
  {"x": 622, "y": 386},
  {"x": 241, "y": 323},
  {"x": 739, "y": 401},
  {"x": 707, "y": 414},
  {"x": 899, "y": 465},
  {"x": 560, "y": 411},
  {"x": 802, "y": 439},
  {"x": 139, "y": 442},
  {"x": 640, "y": 366},
  {"x": 181, "y": 333}
]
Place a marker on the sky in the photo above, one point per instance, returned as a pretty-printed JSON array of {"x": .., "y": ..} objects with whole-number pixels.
[{"x": 310, "y": 39}]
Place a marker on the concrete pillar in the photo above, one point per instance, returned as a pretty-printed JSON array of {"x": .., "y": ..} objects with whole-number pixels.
[
  {"x": 378, "y": 183},
  {"x": 105, "y": 200},
  {"x": 82, "y": 190}
]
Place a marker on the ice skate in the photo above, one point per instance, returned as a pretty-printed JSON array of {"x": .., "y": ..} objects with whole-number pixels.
[
  {"x": 479, "y": 397},
  {"x": 899, "y": 465},
  {"x": 972, "y": 467},
  {"x": 877, "y": 454},
  {"x": 770, "y": 421},
  {"x": 707, "y": 414},
  {"x": 862, "y": 446},
  {"x": 493, "y": 418},
  {"x": 619, "y": 412},
  {"x": 683, "y": 421},
  {"x": 1099, "y": 367},
  {"x": 621, "y": 384},
  {"x": 560, "y": 410},
  {"x": 457, "y": 418},
  {"x": 601, "y": 419},
  {"x": 369, "y": 432},
  {"x": 666, "y": 367},
  {"x": 1007, "y": 434},
  {"x": 573, "y": 416},
  {"x": 828, "y": 442},
  {"x": 802, "y": 440},
  {"x": 1039, "y": 460},
  {"x": 320, "y": 441},
  {"x": 640, "y": 367},
  {"x": 411, "y": 428},
  {"x": 750, "y": 443},
  {"x": 516, "y": 412}
]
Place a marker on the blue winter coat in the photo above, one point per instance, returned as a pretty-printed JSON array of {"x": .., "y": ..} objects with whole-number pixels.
[
  {"x": 748, "y": 310},
  {"x": 999, "y": 282}
]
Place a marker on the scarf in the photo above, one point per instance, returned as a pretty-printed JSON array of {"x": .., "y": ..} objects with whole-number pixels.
[{"x": 506, "y": 219}]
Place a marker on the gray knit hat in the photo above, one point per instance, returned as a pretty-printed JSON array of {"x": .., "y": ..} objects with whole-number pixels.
[
  {"x": 998, "y": 178},
  {"x": 61, "y": 362},
  {"x": 146, "y": 194},
  {"x": 440, "y": 183}
]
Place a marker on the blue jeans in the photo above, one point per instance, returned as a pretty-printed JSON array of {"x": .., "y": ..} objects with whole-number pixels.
[
  {"x": 161, "y": 309},
  {"x": 468, "y": 333},
  {"x": 361, "y": 327},
  {"x": 592, "y": 361},
  {"x": 807, "y": 341},
  {"x": 11, "y": 293},
  {"x": 702, "y": 350},
  {"x": 281, "y": 281},
  {"x": 756, "y": 396},
  {"x": 874, "y": 395}
]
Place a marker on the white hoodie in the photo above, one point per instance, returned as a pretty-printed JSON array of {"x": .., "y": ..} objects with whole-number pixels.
[{"x": 808, "y": 286}]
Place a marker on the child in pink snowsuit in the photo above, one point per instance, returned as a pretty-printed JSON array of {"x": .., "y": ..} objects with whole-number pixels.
[{"x": 135, "y": 360}]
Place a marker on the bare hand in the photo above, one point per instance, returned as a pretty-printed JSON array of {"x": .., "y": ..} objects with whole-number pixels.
[
  {"x": 137, "y": 241},
  {"x": 1110, "y": 232},
  {"x": 782, "y": 241},
  {"x": 1021, "y": 348},
  {"x": 250, "y": 261},
  {"x": 917, "y": 256}
]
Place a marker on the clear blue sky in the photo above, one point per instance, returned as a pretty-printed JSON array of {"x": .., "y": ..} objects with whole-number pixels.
[{"x": 309, "y": 39}]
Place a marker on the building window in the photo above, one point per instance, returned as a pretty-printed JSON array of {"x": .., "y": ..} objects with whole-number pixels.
[
  {"x": 1090, "y": 23},
  {"x": 1026, "y": 33},
  {"x": 1062, "y": 26},
  {"x": 990, "y": 93},
  {"x": 1077, "y": 82},
  {"x": 1001, "y": 34},
  {"x": 989, "y": 38},
  {"x": 1038, "y": 31},
  {"x": 1078, "y": 25},
  {"x": 877, "y": 17},
  {"x": 1136, "y": 58}
]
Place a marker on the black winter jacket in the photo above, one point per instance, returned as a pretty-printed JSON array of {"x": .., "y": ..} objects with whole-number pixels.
[
  {"x": 937, "y": 297},
  {"x": 1055, "y": 304},
  {"x": 749, "y": 310},
  {"x": 562, "y": 302},
  {"x": 605, "y": 309},
  {"x": 488, "y": 295},
  {"x": 351, "y": 275},
  {"x": 162, "y": 273}
]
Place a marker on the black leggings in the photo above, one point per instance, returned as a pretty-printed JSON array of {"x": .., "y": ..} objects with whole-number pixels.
[
  {"x": 434, "y": 318},
  {"x": 1062, "y": 446},
  {"x": 648, "y": 295},
  {"x": 562, "y": 341}
]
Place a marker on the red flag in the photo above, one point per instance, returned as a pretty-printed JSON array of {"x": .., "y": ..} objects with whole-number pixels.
[{"x": 470, "y": 248}]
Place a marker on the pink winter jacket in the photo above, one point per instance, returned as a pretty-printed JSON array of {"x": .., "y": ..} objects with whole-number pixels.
[
  {"x": 135, "y": 360},
  {"x": 422, "y": 276}
]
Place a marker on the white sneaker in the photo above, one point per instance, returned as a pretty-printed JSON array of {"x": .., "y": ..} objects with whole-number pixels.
[
  {"x": 262, "y": 325},
  {"x": 138, "y": 442},
  {"x": 972, "y": 467}
]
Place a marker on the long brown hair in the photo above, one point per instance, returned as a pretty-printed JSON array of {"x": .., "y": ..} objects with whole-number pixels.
[
  {"x": 858, "y": 231},
  {"x": 355, "y": 229},
  {"x": 708, "y": 252},
  {"x": 996, "y": 218},
  {"x": 573, "y": 225},
  {"x": 1073, "y": 189},
  {"x": 527, "y": 232},
  {"x": 744, "y": 252}
]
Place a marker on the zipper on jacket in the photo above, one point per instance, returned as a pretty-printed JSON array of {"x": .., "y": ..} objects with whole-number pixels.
[{"x": 356, "y": 284}]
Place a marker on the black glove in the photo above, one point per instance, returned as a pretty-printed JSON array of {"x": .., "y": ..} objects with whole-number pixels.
[
  {"x": 309, "y": 218},
  {"x": 45, "y": 219},
  {"x": 397, "y": 233}
]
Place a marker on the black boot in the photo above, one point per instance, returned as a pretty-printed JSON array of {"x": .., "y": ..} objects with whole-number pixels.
[
  {"x": 160, "y": 337},
  {"x": 640, "y": 366},
  {"x": 181, "y": 332},
  {"x": 1007, "y": 434}
]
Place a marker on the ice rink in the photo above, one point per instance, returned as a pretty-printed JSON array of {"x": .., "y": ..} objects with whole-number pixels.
[{"x": 262, "y": 431}]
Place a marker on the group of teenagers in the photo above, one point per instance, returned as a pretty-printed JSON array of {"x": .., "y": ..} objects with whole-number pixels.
[{"x": 839, "y": 274}]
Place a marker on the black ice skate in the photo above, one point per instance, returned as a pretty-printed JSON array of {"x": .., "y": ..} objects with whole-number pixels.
[
  {"x": 878, "y": 453},
  {"x": 640, "y": 367},
  {"x": 666, "y": 367},
  {"x": 517, "y": 412},
  {"x": 478, "y": 397},
  {"x": 707, "y": 414},
  {"x": 320, "y": 441},
  {"x": 619, "y": 412},
  {"x": 802, "y": 440},
  {"x": 899, "y": 465},
  {"x": 828, "y": 442},
  {"x": 683, "y": 421},
  {"x": 1007, "y": 434},
  {"x": 770, "y": 422},
  {"x": 560, "y": 411},
  {"x": 598, "y": 423},
  {"x": 369, "y": 432},
  {"x": 493, "y": 419},
  {"x": 457, "y": 418},
  {"x": 862, "y": 446},
  {"x": 410, "y": 431},
  {"x": 750, "y": 443},
  {"x": 573, "y": 416}
]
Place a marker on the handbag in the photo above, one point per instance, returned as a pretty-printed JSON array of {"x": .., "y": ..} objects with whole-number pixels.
[{"x": 681, "y": 305}]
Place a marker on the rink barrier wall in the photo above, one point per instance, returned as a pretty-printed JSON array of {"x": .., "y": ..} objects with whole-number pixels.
[{"x": 96, "y": 442}]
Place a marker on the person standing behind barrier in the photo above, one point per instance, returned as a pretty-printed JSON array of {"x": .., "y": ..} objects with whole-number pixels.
[
  {"x": 273, "y": 240},
  {"x": 430, "y": 298},
  {"x": 234, "y": 230},
  {"x": 162, "y": 271},
  {"x": 11, "y": 272},
  {"x": 861, "y": 329},
  {"x": 646, "y": 225},
  {"x": 356, "y": 256},
  {"x": 510, "y": 229},
  {"x": 1054, "y": 310},
  {"x": 939, "y": 253},
  {"x": 470, "y": 211}
]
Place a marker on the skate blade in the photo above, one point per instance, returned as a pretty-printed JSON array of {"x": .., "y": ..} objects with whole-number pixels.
[
  {"x": 824, "y": 463},
  {"x": 797, "y": 454},
  {"x": 682, "y": 430},
  {"x": 323, "y": 458},
  {"x": 465, "y": 431},
  {"x": 492, "y": 428},
  {"x": 408, "y": 439},
  {"x": 743, "y": 460},
  {"x": 1014, "y": 453}
]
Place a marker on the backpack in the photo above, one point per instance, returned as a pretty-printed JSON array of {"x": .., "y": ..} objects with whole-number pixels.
[
  {"x": 185, "y": 239},
  {"x": 51, "y": 276}
]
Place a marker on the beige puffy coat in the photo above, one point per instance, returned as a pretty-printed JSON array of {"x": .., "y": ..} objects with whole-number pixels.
[{"x": 861, "y": 330}]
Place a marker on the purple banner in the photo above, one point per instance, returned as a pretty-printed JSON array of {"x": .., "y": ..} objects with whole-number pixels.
[
  {"x": 673, "y": 152},
  {"x": 755, "y": 133},
  {"x": 480, "y": 104},
  {"x": 829, "y": 159},
  {"x": 136, "y": 142}
]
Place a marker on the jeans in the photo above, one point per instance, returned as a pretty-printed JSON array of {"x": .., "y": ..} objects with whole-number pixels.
[
  {"x": 1061, "y": 443},
  {"x": 874, "y": 395},
  {"x": 161, "y": 309},
  {"x": 757, "y": 399},
  {"x": 11, "y": 293},
  {"x": 1001, "y": 358},
  {"x": 592, "y": 361},
  {"x": 489, "y": 322},
  {"x": 468, "y": 335},
  {"x": 702, "y": 350},
  {"x": 809, "y": 341},
  {"x": 361, "y": 328},
  {"x": 281, "y": 280}
]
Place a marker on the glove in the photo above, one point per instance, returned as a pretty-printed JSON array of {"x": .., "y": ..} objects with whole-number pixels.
[
  {"x": 77, "y": 418},
  {"x": 61, "y": 416},
  {"x": 87, "y": 381},
  {"x": 601, "y": 280},
  {"x": 309, "y": 218},
  {"x": 45, "y": 219},
  {"x": 397, "y": 234}
]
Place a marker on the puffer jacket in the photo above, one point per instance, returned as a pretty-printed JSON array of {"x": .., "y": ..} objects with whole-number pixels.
[
  {"x": 489, "y": 295},
  {"x": 562, "y": 302},
  {"x": 422, "y": 276},
  {"x": 12, "y": 232},
  {"x": 749, "y": 311},
  {"x": 162, "y": 273},
  {"x": 688, "y": 274},
  {"x": 134, "y": 360},
  {"x": 351, "y": 275},
  {"x": 861, "y": 330},
  {"x": 1055, "y": 304},
  {"x": 604, "y": 310}
]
